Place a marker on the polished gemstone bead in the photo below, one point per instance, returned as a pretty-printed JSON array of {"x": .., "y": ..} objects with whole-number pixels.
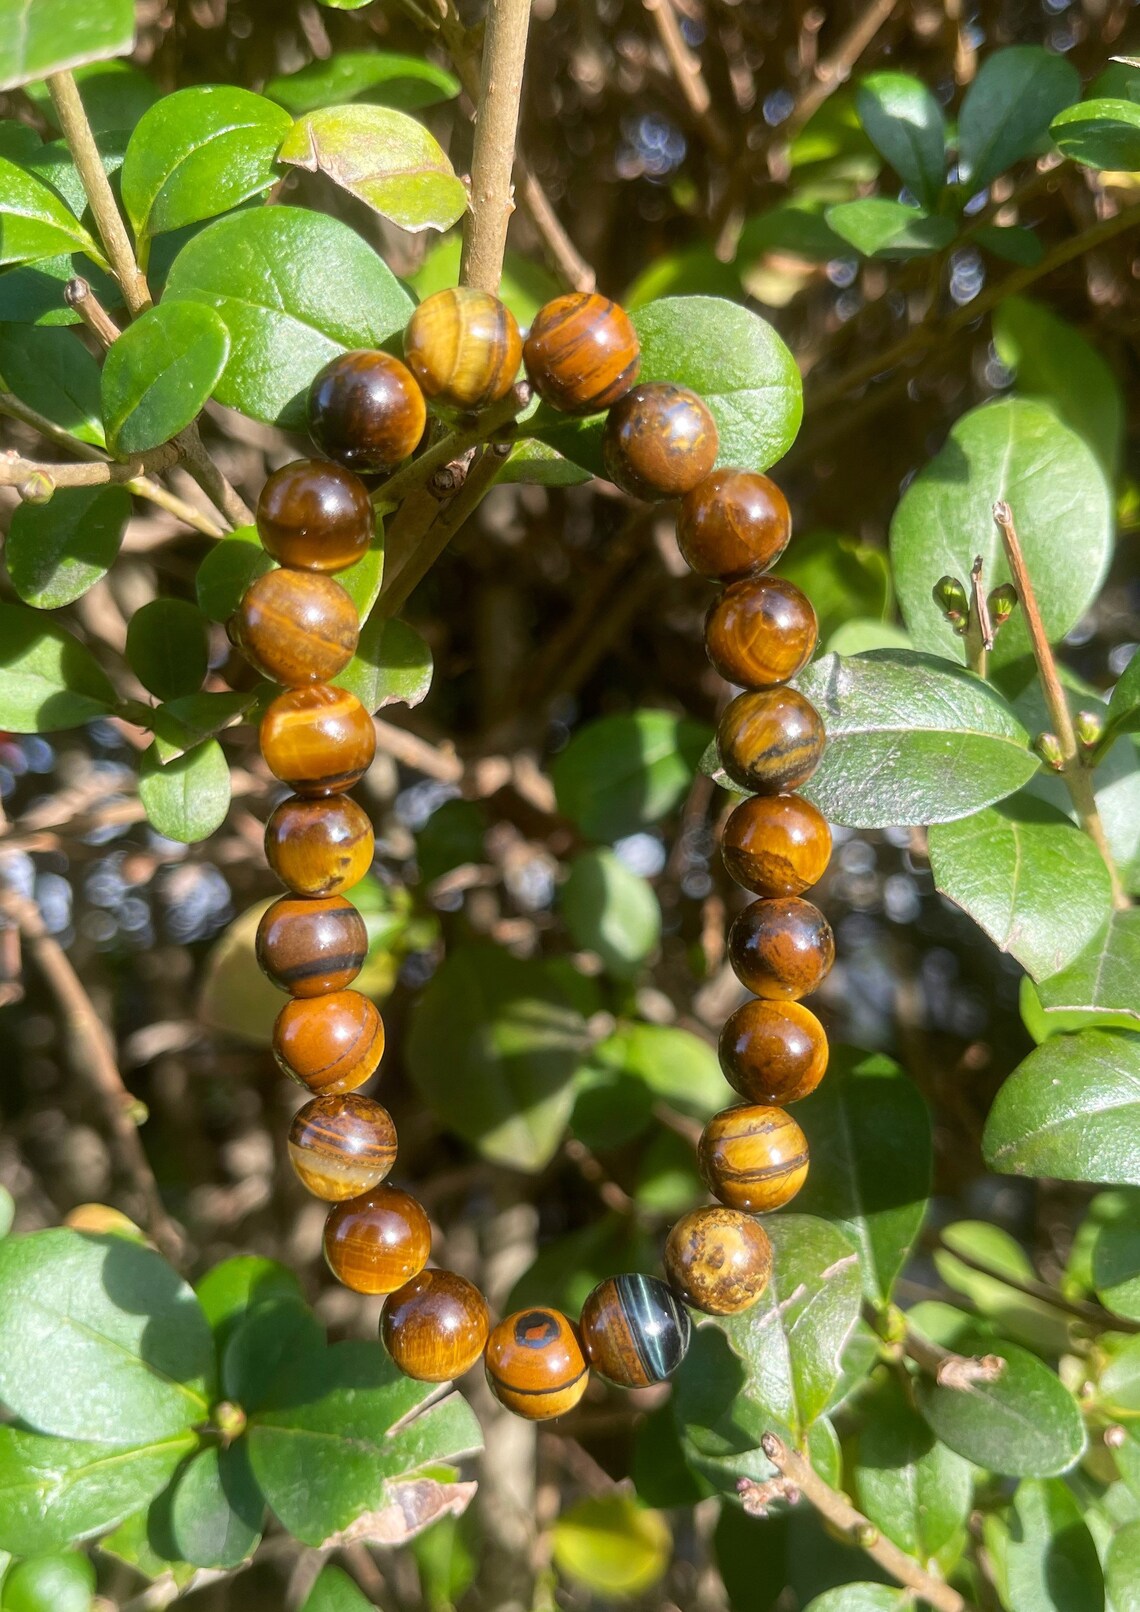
[
  {"x": 329, "y": 1043},
  {"x": 773, "y": 1052},
  {"x": 311, "y": 947},
  {"x": 582, "y": 353},
  {"x": 319, "y": 740},
  {"x": 366, "y": 411},
  {"x": 319, "y": 847},
  {"x": 770, "y": 740},
  {"x": 435, "y": 1327},
  {"x": 760, "y": 631},
  {"x": 776, "y": 845},
  {"x": 753, "y": 1157},
  {"x": 634, "y": 1331},
  {"x": 296, "y": 627},
  {"x": 314, "y": 516},
  {"x": 718, "y": 1260},
  {"x": 342, "y": 1145},
  {"x": 731, "y": 523},
  {"x": 535, "y": 1364},
  {"x": 781, "y": 948},
  {"x": 463, "y": 347},
  {"x": 378, "y": 1241},
  {"x": 659, "y": 441}
]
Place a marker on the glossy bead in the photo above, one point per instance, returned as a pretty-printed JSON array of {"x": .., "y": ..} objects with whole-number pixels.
[
  {"x": 319, "y": 847},
  {"x": 435, "y": 1327},
  {"x": 659, "y": 441},
  {"x": 310, "y": 947},
  {"x": 463, "y": 347},
  {"x": 753, "y": 1157},
  {"x": 718, "y": 1260},
  {"x": 770, "y": 740},
  {"x": 342, "y": 1145},
  {"x": 781, "y": 948},
  {"x": 366, "y": 411},
  {"x": 296, "y": 627},
  {"x": 760, "y": 631},
  {"x": 582, "y": 353},
  {"x": 535, "y": 1364},
  {"x": 634, "y": 1331},
  {"x": 329, "y": 1043},
  {"x": 732, "y": 523},
  {"x": 378, "y": 1241},
  {"x": 314, "y": 516},
  {"x": 319, "y": 740},
  {"x": 776, "y": 845},
  {"x": 773, "y": 1052}
]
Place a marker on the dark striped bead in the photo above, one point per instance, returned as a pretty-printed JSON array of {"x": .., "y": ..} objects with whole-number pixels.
[
  {"x": 718, "y": 1260},
  {"x": 464, "y": 348},
  {"x": 634, "y": 1331},
  {"x": 770, "y": 740},
  {"x": 435, "y": 1327},
  {"x": 319, "y": 740},
  {"x": 311, "y": 947},
  {"x": 319, "y": 847},
  {"x": 329, "y": 1043},
  {"x": 314, "y": 516},
  {"x": 535, "y": 1364},
  {"x": 732, "y": 523},
  {"x": 773, "y": 1052},
  {"x": 366, "y": 411},
  {"x": 776, "y": 845},
  {"x": 296, "y": 627},
  {"x": 659, "y": 441},
  {"x": 781, "y": 949},
  {"x": 342, "y": 1145},
  {"x": 760, "y": 632},
  {"x": 582, "y": 353},
  {"x": 753, "y": 1158}
]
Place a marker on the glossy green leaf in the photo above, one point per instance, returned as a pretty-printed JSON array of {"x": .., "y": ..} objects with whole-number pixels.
[
  {"x": 905, "y": 122},
  {"x": 187, "y": 798},
  {"x": 1008, "y": 108},
  {"x": 227, "y": 571},
  {"x": 1052, "y": 361},
  {"x": 167, "y": 647},
  {"x": 56, "y": 551},
  {"x": 1050, "y": 1560},
  {"x": 231, "y": 1289},
  {"x": 407, "y": 83},
  {"x": 1100, "y": 134},
  {"x": 909, "y": 1485},
  {"x": 842, "y": 578},
  {"x": 611, "y": 1546},
  {"x": 878, "y": 227},
  {"x": 384, "y": 158},
  {"x": 38, "y": 37},
  {"x": 143, "y": 1542},
  {"x": 1122, "y": 1569},
  {"x": 53, "y": 373},
  {"x": 160, "y": 373},
  {"x": 32, "y": 295},
  {"x": 48, "y": 679},
  {"x": 1124, "y": 706},
  {"x": 392, "y": 665},
  {"x": 216, "y": 1510},
  {"x": 1120, "y": 80},
  {"x": 675, "y": 1065},
  {"x": 860, "y": 1598},
  {"x": 624, "y": 772},
  {"x": 612, "y": 911},
  {"x": 334, "y": 1591},
  {"x": 34, "y": 223},
  {"x": 1104, "y": 978},
  {"x": 182, "y": 723},
  {"x": 1115, "y": 1254},
  {"x": 1118, "y": 1385},
  {"x": 541, "y": 465},
  {"x": 1025, "y": 1424},
  {"x": 63, "y": 1583}
]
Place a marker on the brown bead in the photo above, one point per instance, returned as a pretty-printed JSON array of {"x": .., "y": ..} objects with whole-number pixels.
[
  {"x": 770, "y": 740},
  {"x": 463, "y": 347},
  {"x": 296, "y": 627},
  {"x": 718, "y": 1260},
  {"x": 634, "y": 1331},
  {"x": 366, "y": 411},
  {"x": 760, "y": 631},
  {"x": 535, "y": 1364},
  {"x": 319, "y": 740},
  {"x": 781, "y": 948},
  {"x": 582, "y": 353},
  {"x": 329, "y": 1043},
  {"x": 311, "y": 947},
  {"x": 314, "y": 516},
  {"x": 753, "y": 1157},
  {"x": 732, "y": 523},
  {"x": 319, "y": 847},
  {"x": 659, "y": 441},
  {"x": 435, "y": 1327},
  {"x": 776, "y": 845},
  {"x": 378, "y": 1241},
  {"x": 773, "y": 1052},
  {"x": 342, "y": 1145}
]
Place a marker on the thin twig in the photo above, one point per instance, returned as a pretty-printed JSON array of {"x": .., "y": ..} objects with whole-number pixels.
[
  {"x": 686, "y": 68},
  {"x": 979, "y": 630},
  {"x": 493, "y": 160},
  {"x": 1093, "y": 1315},
  {"x": 16, "y": 471},
  {"x": 418, "y": 472},
  {"x": 398, "y": 585},
  {"x": 949, "y": 1370}
]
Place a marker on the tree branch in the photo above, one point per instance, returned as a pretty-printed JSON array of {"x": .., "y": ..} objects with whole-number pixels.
[
  {"x": 418, "y": 473},
  {"x": 42, "y": 479},
  {"x": 496, "y": 128},
  {"x": 398, "y": 584},
  {"x": 686, "y": 69}
]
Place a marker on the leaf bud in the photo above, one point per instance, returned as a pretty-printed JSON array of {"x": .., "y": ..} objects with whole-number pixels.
[
  {"x": 1048, "y": 747},
  {"x": 1090, "y": 729},
  {"x": 950, "y": 597},
  {"x": 38, "y": 488},
  {"x": 1001, "y": 604}
]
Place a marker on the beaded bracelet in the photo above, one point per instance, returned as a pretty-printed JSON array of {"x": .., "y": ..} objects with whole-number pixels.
[{"x": 298, "y": 627}]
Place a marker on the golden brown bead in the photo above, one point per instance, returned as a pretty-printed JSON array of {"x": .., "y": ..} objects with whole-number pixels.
[
  {"x": 314, "y": 516},
  {"x": 781, "y": 948},
  {"x": 329, "y": 1043},
  {"x": 659, "y": 441},
  {"x": 753, "y": 1157},
  {"x": 296, "y": 627},
  {"x": 463, "y": 347},
  {"x": 366, "y": 411},
  {"x": 760, "y": 631},
  {"x": 718, "y": 1260},
  {"x": 378, "y": 1241},
  {"x": 770, "y": 740},
  {"x": 311, "y": 947},
  {"x": 732, "y": 523},
  {"x": 435, "y": 1327},
  {"x": 319, "y": 847},
  {"x": 582, "y": 353},
  {"x": 634, "y": 1331},
  {"x": 535, "y": 1364},
  {"x": 319, "y": 740},
  {"x": 773, "y": 1052},
  {"x": 342, "y": 1145},
  {"x": 776, "y": 845}
]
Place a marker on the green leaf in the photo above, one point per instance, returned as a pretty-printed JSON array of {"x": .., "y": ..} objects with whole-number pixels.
[
  {"x": 63, "y": 1583},
  {"x": 384, "y": 158},
  {"x": 383, "y": 77},
  {"x": 860, "y": 1598},
  {"x": 1100, "y": 134},
  {"x": 392, "y": 665},
  {"x": 1115, "y": 1253},
  {"x": 54, "y": 373},
  {"x": 524, "y": 287},
  {"x": 187, "y": 798},
  {"x": 1018, "y": 1316},
  {"x": 906, "y": 125},
  {"x": 1071, "y": 1110},
  {"x": 1118, "y": 1386},
  {"x": 160, "y": 373},
  {"x": 334, "y": 1591},
  {"x": 675, "y": 1066},
  {"x": 182, "y": 723},
  {"x": 911, "y": 738},
  {"x": 842, "y": 578},
  {"x": 216, "y": 1510},
  {"x": 1008, "y": 108},
  {"x": 624, "y": 772},
  {"x": 34, "y": 223},
  {"x": 56, "y": 551},
  {"x": 1104, "y": 978},
  {"x": 1050, "y": 360},
  {"x": 230, "y": 1290},
  {"x": 227, "y": 571},
  {"x": 143, "y": 1542},
  {"x": 878, "y": 227},
  {"x": 114, "y": 94},
  {"x": 612, "y": 1546},
  {"x": 541, "y": 465},
  {"x": 612, "y": 911},
  {"x": 294, "y": 289},
  {"x": 1018, "y": 450},
  {"x": 1051, "y": 1563},
  {"x": 860, "y": 634},
  {"x": 1122, "y": 1569},
  {"x": 48, "y": 679},
  {"x": 1120, "y": 80},
  {"x": 1012, "y": 243},
  {"x": 1026, "y": 1424},
  {"x": 167, "y": 647},
  {"x": 1124, "y": 706},
  {"x": 32, "y": 295},
  {"x": 909, "y": 1485},
  {"x": 38, "y": 37}
]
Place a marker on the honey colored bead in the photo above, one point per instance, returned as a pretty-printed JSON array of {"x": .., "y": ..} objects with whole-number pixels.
[
  {"x": 296, "y": 627},
  {"x": 366, "y": 411},
  {"x": 760, "y": 631},
  {"x": 753, "y": 1157},
  {"x": 435, "y": 1327},
  {"x": 329, "y": 1043},
  {"x": 773, "y": 1052},
  {"x": 781, "y": 948},
  {"x": 732, "y": 523},
  {"x": 319, "y": 740},
  {"x": 535, "y": 1364},
  {"x": 770, "y": 740},
  {"x": 582, "y": 353},
  {"x": 463, "y": 347},
  {"x": 634, "y": 1331},
  {"x": 659, "y": 441},
  {"x": 718, "y": 1260},
  {"x": 314, "y": 516},
  {"x": 776, "y": 845},
  {"x": 378, "y": 1241},
  {"x": 342, "y": 1145},
  {"x": 311, "y": 947},
  {"x": 319, "y": 847}
]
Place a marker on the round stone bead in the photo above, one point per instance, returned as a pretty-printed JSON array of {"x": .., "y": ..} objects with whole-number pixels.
[
  {"x": 781, "y": 948},
  {"x": 329, "y": 1043},
  {"x": 760, "y": 631},
  {"x": 634, "y": 1331},
  {"x": 342, "y": 1145},
  {"x": 378, "y": 1241},
  {"x": 732, "y": 523},
  {"x": 535, "y": 1364},
  {"x": 463, "y": 347},
  {"x": 319, "y": 740},
  {"x": 314, "y": 516},
  {"x": 296, "y": 627},
  {"x": 582, "y": 353},
  {"x": 366, "y": 411},
  {"x": 773, "y": 1052},
  {"x": 770, "y": 740},
  {"x": 311, "y": 947},
  {"x": 718, "y": 1260},
  {"x": 319, "y": 847},
  {"x": 753, "y": 1157},
  {"x": 659, "y": 441},
  {"x": 435, "y": 1327},
  {"x": 776, "y": 845}
]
